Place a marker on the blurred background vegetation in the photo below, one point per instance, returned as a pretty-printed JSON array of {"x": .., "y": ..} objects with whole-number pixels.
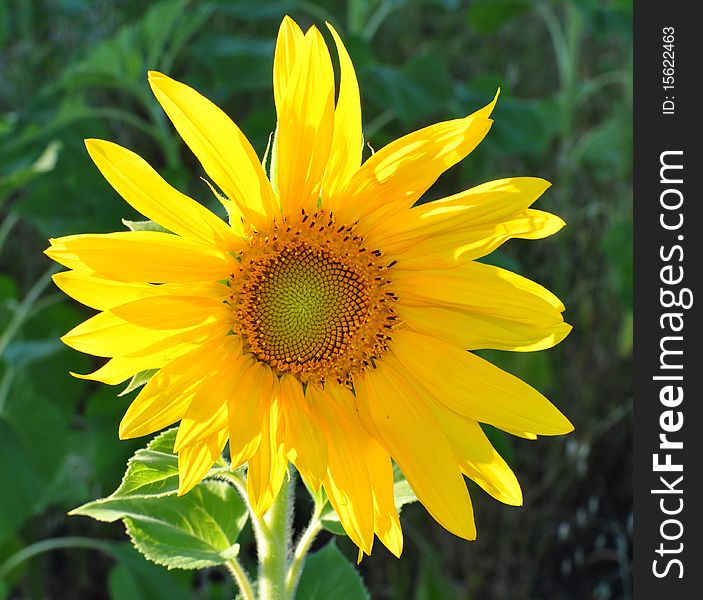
[{"x": 71, "y": 69}]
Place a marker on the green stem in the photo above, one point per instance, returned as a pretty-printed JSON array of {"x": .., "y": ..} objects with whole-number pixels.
[
  {"x": 279, "y": 572},
  {"x": 375, "y": 21},
  {"x": 52, "y": 544},
  {"x": 7, "y": 378},
  {"x": 356, "y": 15},
  {"x": 240, "y": 576},
  {"x": 5, "y": 228},
  {"x": 379, "y": 122},
  {"x": 25, "y": 308},
  {"x": 273, "y": 543},
  {"x": 301, "y": 551}
]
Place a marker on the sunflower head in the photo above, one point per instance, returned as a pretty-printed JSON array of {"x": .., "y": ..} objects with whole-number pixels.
[
  {"x": 311, "y": 300},
  {"x": 330, "y": 320}
]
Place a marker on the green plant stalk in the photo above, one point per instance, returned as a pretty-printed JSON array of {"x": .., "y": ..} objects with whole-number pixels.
[
  {"x": 566, "y": 42},
  {"x": 301, "y": 550},
  {"x": 280, "y": 567},
  {"x": 273, "y": 544},
  {"x": 53, "y": 544},
  {"x": 240, "y": 576},
  {"x": 356, "y": 15},
  {"x": 5, "y": 228},
  {"x": 25, "y": 307}
]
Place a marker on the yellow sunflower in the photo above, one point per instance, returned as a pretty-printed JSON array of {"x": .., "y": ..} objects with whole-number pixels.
[{"x": 330, "y": 322}]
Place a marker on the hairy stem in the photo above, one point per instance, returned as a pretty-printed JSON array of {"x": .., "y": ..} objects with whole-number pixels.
[
  {"x": 296, "y": 566},
  {"x": 240, "y": 576},
  {"x": 273, "y": 544}
]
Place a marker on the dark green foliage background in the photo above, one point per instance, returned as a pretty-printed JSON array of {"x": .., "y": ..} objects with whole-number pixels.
[{"x": 71, "y": 69}]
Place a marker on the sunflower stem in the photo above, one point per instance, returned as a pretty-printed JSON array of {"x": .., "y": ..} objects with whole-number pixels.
[
  {"x": 273, "y": 544},
  {"x": 301, "y": 550},
  {"x": 240, "y": 576}
]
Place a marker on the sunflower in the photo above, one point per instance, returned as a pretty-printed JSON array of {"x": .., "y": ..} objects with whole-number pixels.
[{"x": 330, "y": 321}]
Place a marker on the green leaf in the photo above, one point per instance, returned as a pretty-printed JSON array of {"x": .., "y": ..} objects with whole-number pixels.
[
  {"x": 23, "y": 175},
  {"x": 330, "y": 521},
  {"x": 143, "y": 226},
  {"x": 138, "y": 381},
  {"x": 31, "y": 468},
  {"x": 193, "y": 531},
  {"x": 152, "y": 471},
  {"x": 432, "y": 582},
  {"x": 251, "y": 10},
  {"x": 489, "y": 15},
  {"x": 134, "y": 578},
  {"x": 123, "y": 58},
  {"x": 418, "y": 90},
  {"x": 328, "y": 574},
  {"x": 249, "y": 58},
  {"x": 164, "y": 442},
  {"x": 23, "y": 481},
  {"x": 93, "y": 207}
]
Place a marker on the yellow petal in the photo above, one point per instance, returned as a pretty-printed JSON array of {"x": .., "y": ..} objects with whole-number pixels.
[
  {"x": 533, "y": 225},
  {"x": 389, "y": 404},
  {"x": 478, "y": 209},
  {"x": 457, "y": 246},
  {"x": 473, "y": 331},
  {"x": 391, "y": 180},
  {"x": 268, "y": 466},
  {"x": 99, "y": 293},
  {"x": 347, "y": 140},
  {"x": 489, "y": 202},
  {"x": 222, "y": 149},
  {"x": 475, "y": 388},
  {"x": 306, "y": 443},
  {"x": 305, "y": 125},
  {"x": 164, "y": 399},
  {"x": 131, "y": 327},
  {"x": 347, "y": 483},
  {"x": 104, "y": 294},
  {"x": 480, "y": 306},
  {"x": 246, "y": 409},
  {"x": 153, "y": 356},
  {"x": 528, "y": 435},
  {"x": 121, "y": 368},
  {"x": 195, "y": 461},
  {"x": 288, "y": 44},
  {"x": 386, "y": 520},
  {"x": 207, "y": 410},
  {"x": 482, "y": 288},
  {"x": 141, "y": 186},
  {"x": 141, "y": 256},
  {"x": 477, "y": 457}
]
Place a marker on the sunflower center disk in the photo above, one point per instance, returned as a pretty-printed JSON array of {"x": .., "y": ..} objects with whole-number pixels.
[{"x": 311, "y": 300}]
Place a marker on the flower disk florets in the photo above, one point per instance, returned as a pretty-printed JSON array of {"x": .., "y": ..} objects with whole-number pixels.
[{"x": 311, "y": 300}]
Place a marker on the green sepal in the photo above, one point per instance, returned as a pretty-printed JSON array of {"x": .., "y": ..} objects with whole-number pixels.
[
  {"x": 138, "y": 381},
  {"x": 143, "y": 226},
  {"x": 273, "y": 163}
]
